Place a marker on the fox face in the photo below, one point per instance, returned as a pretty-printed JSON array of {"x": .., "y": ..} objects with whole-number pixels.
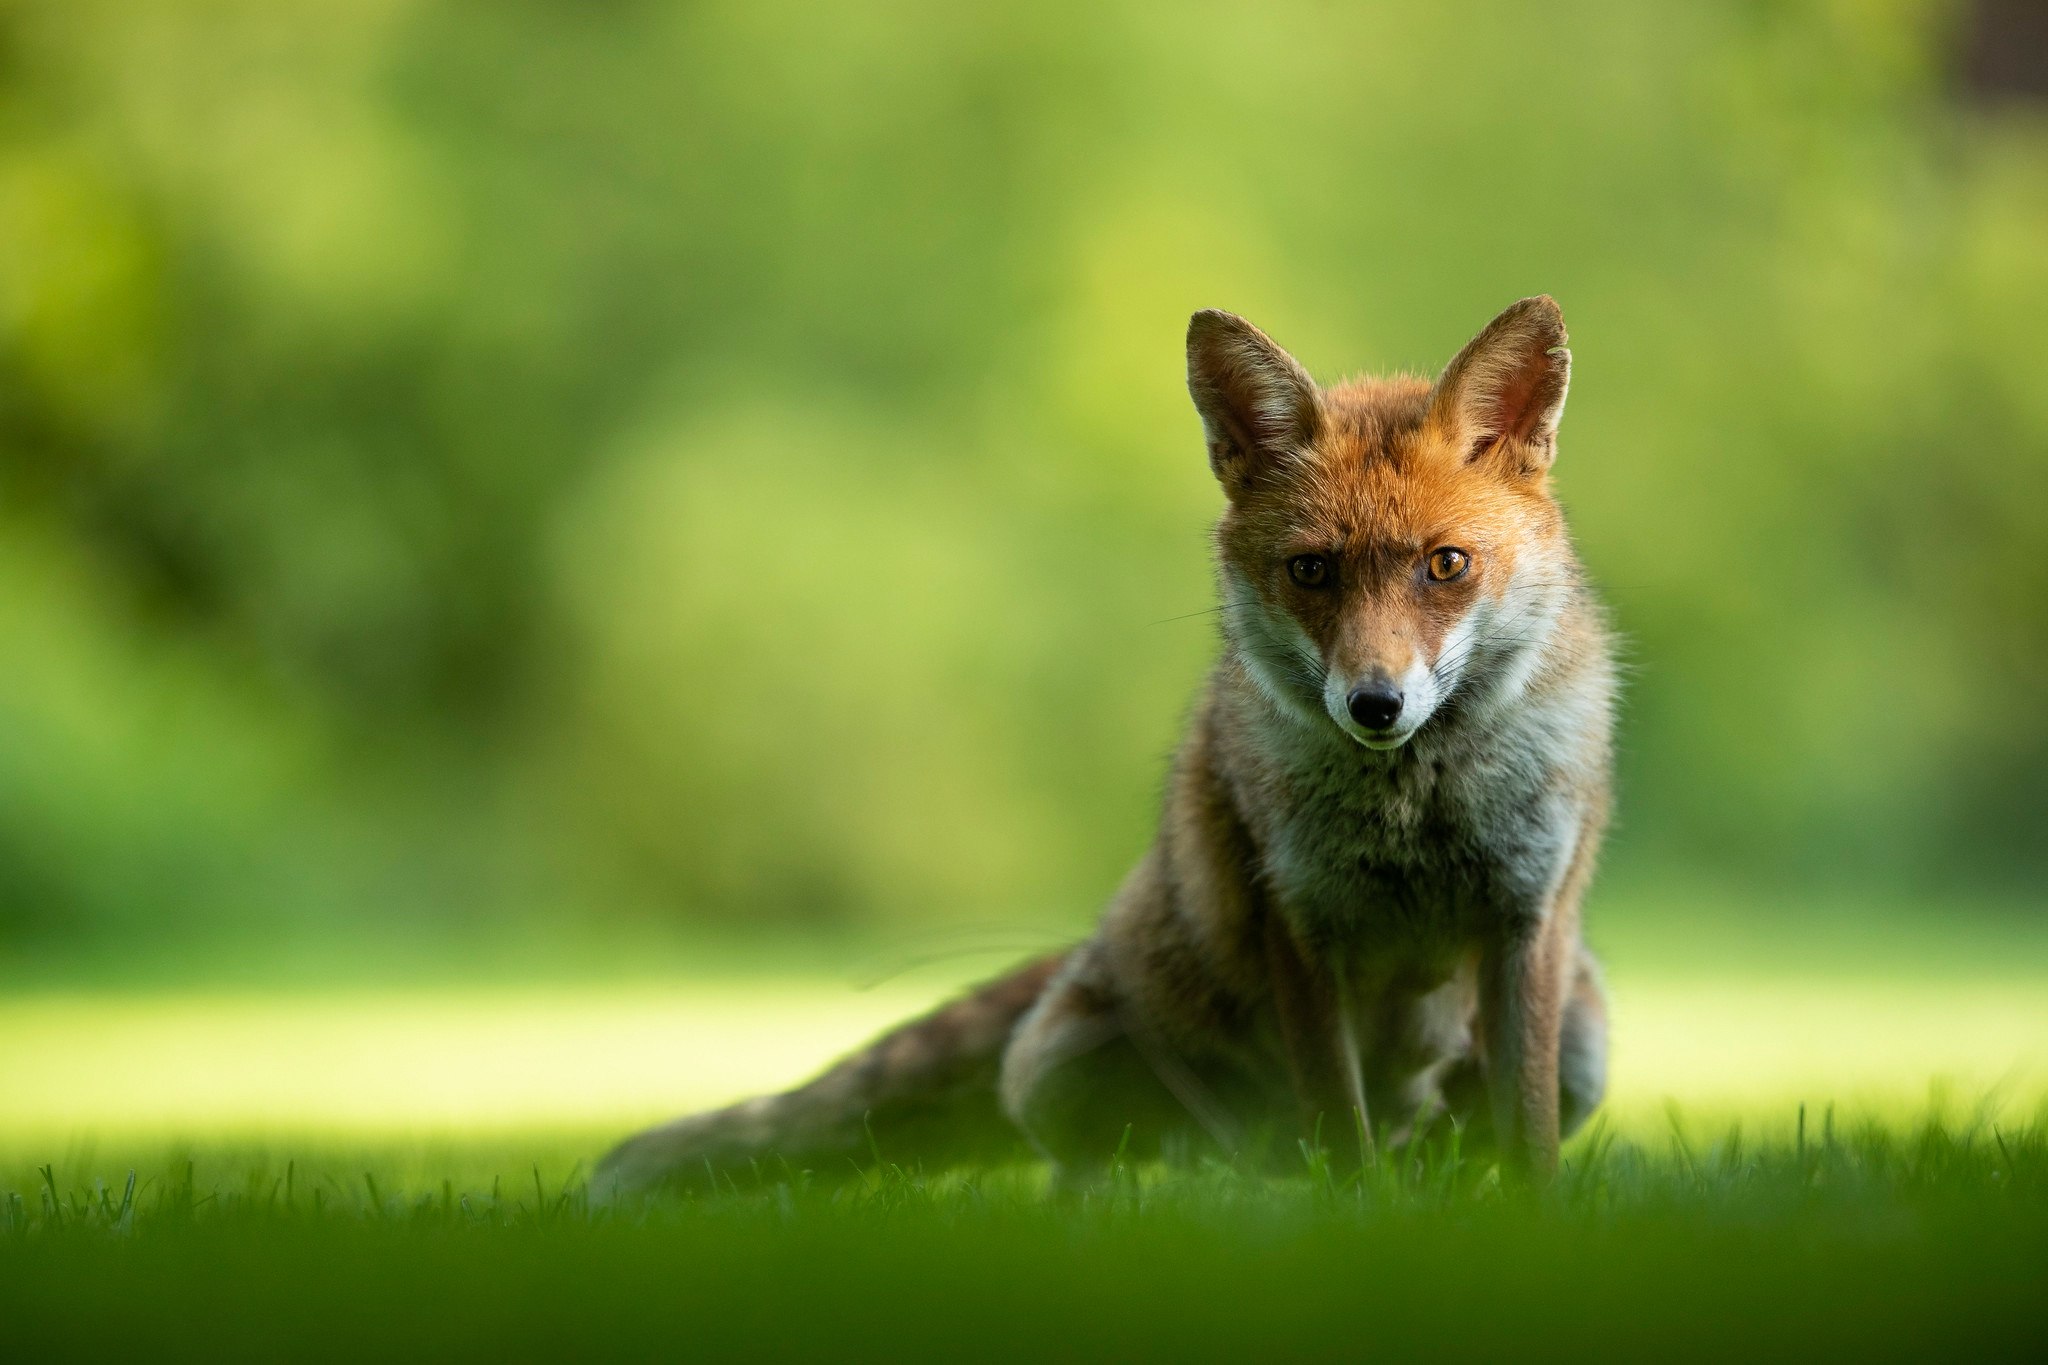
[{"x": 1390, "y": 546}]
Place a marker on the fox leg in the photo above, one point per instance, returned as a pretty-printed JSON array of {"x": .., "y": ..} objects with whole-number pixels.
[
  {"x": 1521, "y": 1009},
  {"x": 1581, "y": 1071},
  {"x": 1582, "y": 1047},
  {"x": 1320, "y": 1034},
  {"x": 1527, "y": 975},
  {"x": 1082, "y": 1082}
]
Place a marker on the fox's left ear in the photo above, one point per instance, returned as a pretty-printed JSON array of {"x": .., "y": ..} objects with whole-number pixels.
[
  {"x": 1259, "y": 407},
  {"x": 1501, "y": 398}
]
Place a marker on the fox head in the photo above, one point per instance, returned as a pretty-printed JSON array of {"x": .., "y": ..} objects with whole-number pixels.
[{"x": 1388, "y": 545}]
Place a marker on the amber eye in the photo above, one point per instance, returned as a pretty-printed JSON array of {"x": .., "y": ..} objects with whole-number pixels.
[
  {"x": 1311, "y": 571},
  {"x": 1448, "y": 563}
]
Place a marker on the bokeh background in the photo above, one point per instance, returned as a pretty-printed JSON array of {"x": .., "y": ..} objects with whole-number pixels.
[{"x": 612, "y": 478}]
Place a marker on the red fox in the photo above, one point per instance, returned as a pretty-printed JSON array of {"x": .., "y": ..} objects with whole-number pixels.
[{"x": 1361, "y": 913}]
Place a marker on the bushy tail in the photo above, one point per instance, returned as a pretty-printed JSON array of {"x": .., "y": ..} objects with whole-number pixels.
[{"x": 926, "y": 1090}]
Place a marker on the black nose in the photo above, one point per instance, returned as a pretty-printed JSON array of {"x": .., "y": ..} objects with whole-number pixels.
[{"x": 1375, "y": 705}]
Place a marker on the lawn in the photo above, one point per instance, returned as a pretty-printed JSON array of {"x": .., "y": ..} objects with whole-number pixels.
[
  {"x": 1864, "y": 1242},
  {"x": 1814, "y": 1146}
]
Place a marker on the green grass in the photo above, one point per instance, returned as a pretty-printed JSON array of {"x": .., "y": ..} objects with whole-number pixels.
[
  {"x": 127, "y": 1067},
  {"x": 1871, "y": 1240},
  {"x": 363, "y": 1164}
]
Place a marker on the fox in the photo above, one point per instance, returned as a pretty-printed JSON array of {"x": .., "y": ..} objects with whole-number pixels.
[{"x": 1360, "y": 918}]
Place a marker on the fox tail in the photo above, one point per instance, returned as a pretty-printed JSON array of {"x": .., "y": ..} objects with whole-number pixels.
[{"x": 925, "y": 1092}]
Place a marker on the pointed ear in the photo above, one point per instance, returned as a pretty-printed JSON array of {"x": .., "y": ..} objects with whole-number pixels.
[
  {"x": 1502, "y": 397},
  {"x": 1258, "y": 405}
]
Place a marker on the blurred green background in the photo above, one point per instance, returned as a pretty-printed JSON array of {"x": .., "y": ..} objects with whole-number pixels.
[{"x": 595, "y": 468}]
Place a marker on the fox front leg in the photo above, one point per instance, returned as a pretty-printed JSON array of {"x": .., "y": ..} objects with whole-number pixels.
[
  {"x": 1521, "y": 1018},
  {"x": 1319, "y": 1031},
  {"x": 1527, "y": 970}
]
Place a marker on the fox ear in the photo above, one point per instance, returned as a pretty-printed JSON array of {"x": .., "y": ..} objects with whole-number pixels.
[
  {"x": 1258, "y": 405},
  {"x": 1502, "y": 396}
]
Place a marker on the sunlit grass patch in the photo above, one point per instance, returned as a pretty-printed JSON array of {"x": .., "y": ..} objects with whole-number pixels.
[
  {"x": 467, "y": 1062},
  {"x": 403, "y": 1061}
]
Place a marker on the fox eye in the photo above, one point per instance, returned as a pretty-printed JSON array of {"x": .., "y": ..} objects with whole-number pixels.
[
  {"x": 1311, "y": 571},
  {"x": 1448, "y": 563}
]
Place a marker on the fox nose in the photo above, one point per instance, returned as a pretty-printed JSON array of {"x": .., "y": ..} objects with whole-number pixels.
[{"x": 1374, "y": 705}]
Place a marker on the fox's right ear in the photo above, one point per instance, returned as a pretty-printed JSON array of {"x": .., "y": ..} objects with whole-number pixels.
[
  {"x": 1503, "y": 395},
  {"x": 1258, "y": 405}
]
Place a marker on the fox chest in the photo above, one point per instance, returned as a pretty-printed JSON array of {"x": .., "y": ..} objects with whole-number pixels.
[{"x": 1413, "y": 850}]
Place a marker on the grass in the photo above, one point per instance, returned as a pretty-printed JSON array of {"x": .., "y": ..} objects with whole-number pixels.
[
  {"x": 1795, "y": 1161},
  {"x": 1867, "y": 1240},
  {"x": 124, "y": 1067}
]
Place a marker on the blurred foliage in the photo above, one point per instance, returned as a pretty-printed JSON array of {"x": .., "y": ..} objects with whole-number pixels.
[{"x": 732, "y": 460}]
